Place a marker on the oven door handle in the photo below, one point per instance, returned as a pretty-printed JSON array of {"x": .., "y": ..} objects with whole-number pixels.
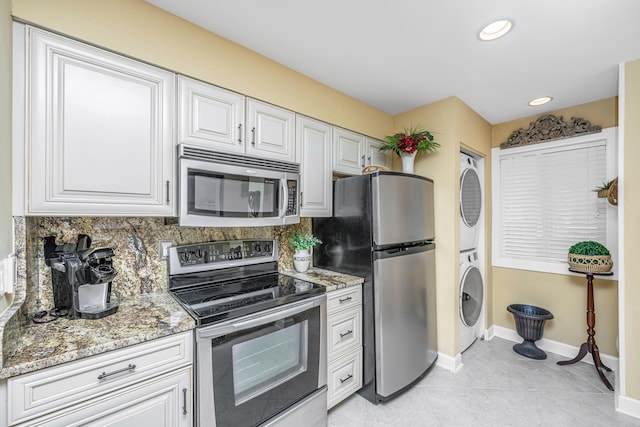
[
  {"x": 258, "y": 319},
  {"x": 272, "y": 317}
]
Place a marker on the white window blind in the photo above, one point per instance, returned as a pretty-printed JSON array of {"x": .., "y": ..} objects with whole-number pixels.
[{"x": 544, "y": 201}]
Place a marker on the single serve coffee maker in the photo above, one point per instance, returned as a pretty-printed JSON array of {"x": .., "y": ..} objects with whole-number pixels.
[{"x": 81, "y": 277}]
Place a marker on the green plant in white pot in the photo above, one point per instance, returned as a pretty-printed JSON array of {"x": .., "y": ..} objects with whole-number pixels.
[{"x": 302, "y": 243}]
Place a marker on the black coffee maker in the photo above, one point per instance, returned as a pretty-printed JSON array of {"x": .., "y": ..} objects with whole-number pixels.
[{"x": 81, "y": 277}]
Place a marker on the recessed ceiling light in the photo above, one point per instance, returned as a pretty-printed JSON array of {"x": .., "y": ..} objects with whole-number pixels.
[
  {"x": 495, "y": 30},
  {"x": 540, "y": 101}
]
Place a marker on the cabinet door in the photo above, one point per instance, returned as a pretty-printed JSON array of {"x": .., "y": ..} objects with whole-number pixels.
[
  {"x": 101, "y": 131},
  {"x": 210, "y": 116},
  {"x": 270, "y": 131},
  {"x": 375, "y": 156},
  {"x": 313, "y": 148},
  {"x": 348, "y": 152}
]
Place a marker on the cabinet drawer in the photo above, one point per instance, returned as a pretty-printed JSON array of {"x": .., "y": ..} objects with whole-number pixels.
[
  {"x": 57, "y": 387},
  {"x": 162, "y": 401},
  {"x": 344, "y": 298},
  {"x": 344, "y": 332},
  {"x": 344, "y": 377}
]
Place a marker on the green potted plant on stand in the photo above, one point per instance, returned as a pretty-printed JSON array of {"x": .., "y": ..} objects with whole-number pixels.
[
  {"x": 302, "y": 243},
  {"x": 589, "y": 256},
  {"x": 409, "y": 143}
]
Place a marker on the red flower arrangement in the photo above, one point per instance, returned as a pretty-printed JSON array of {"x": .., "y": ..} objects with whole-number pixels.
[{"x": 410, "y": 141}]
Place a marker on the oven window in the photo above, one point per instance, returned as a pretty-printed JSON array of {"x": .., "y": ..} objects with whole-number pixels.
[{"x": 264, "y": 363}]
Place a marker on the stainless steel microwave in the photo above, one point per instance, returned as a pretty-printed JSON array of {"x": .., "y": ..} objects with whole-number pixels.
[{"x": 219, "y": 189}]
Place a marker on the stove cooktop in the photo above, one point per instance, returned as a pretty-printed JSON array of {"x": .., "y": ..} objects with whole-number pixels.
[
  {"x": 218, "y": 301},
  {"x": 223, "y": 280}
]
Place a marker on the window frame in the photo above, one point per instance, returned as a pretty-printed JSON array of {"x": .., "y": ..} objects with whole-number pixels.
[{"x": 609, "y": 135}]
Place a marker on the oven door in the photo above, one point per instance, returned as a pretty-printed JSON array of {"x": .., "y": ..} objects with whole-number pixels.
[{"x": 254, "y": 368}]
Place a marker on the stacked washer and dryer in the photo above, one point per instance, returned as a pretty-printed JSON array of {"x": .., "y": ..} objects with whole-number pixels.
[{"x": 471, "y": 283}]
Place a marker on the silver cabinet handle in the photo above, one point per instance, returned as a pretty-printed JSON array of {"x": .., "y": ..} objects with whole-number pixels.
[
  {"x": 240, "y": 133},
  {"x": 343, "y": 300},
  {"x": 253, "y": 136},
  {"x": 301, "y": 199},
  {"x": 369, "y": 159},
  {"x": 346, "y": 333},
  {"x": 363, "y": 160},
  {"x": 105, "y": 375},
  {"x": 184, "y": 401},
  {"x": 168, "y": 185},
  {"x": 347, "y": 378}
]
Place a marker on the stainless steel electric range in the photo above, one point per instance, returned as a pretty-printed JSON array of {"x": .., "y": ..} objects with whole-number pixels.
[{"x": 260, "y": 339}]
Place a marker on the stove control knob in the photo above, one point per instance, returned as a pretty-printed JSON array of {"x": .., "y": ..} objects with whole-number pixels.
[
  {"x": 267, "y": 247},
  {"x": 198, "y": 253},
  {"x": 257, "y": 247},
  {"x": 185, "y": 256}
]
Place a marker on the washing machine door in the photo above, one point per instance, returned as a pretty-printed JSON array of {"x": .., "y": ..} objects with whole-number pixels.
[
  {"x": 470, "y": 197},
  {"x": 471, "y": 296}
]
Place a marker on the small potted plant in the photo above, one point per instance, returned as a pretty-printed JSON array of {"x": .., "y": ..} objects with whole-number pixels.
[
  {"x": 603, "y": 190},
  {"x": 302, "y": 243},
  {"x": 409, "y": 143},
  {"x": 589, "y": 256}
]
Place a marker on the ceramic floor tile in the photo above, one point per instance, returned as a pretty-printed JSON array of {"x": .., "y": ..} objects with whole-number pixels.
[{"x": 495, "y": 387}]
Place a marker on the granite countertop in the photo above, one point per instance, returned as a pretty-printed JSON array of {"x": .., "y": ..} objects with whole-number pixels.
[
  {"x": 330, "y": 279},
  {"x": 141, "y": 318}
]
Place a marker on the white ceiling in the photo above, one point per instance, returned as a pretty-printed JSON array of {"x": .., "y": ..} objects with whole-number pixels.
[{"x": 397, "y": 55}]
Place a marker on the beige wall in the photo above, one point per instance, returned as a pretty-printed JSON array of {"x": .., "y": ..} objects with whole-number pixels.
[
  {"x": 563, "y": 295},
  {"x": 454, "y": 125},
  {"x": 140, "y": 30},
  {"x": 6, "y": 221},
  {"x": 631, "y": 203}
]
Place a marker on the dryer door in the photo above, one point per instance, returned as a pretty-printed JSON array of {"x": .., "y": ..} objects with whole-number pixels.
[
  {"x": 470, "y": 197},
  {"x": 471, "y": 296}
]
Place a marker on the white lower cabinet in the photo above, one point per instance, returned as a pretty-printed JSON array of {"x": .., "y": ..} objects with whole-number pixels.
[
  {"x": 344, "y": 344},
  {"x": 145, "y": 384}
]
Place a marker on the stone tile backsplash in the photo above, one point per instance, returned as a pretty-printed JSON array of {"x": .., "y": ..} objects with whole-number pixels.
[{"x": 136, "y": 247}]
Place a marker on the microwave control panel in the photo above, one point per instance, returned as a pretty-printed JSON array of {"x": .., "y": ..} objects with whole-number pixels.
[
  {"x": 292, "y": 204},
  {"x": 221, "y": 254}
]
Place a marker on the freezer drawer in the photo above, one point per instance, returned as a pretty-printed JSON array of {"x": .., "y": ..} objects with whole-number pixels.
[{"x": 404, "y": 292}]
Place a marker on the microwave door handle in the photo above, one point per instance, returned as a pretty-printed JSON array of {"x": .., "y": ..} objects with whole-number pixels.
[{"x": 284, "y": 198}]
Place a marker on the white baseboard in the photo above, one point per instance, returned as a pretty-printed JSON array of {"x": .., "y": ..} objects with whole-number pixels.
[
  {"x": 561, "y": 349},
  {"x": 628, "y": 406},
  {"x": 453, "y": 364}
]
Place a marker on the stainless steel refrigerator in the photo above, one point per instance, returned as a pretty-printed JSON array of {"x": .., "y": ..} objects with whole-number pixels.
[{"x": 382, "y": 229}]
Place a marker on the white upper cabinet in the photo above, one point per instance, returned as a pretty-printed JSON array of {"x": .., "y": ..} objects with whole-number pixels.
[
  {"x": 270, "y": 131},
  {"x": 100, "y": 131},
  {"x": 210, "y": 116},
  {"x": 376, "y": 157},
  {"x": 348, "y": 152},
  {"x": 313, "y": 148},
  {"x": 223, "y": 120}
]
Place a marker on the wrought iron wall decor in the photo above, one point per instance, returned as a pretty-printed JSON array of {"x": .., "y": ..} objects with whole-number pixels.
[{"x": 548, "y": 128}]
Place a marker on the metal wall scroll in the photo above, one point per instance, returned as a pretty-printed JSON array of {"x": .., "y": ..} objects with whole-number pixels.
[{"x": 548, "y": 128}]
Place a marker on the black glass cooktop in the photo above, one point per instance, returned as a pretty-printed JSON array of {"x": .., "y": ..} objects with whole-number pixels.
[{"x": 216, "y": 297}]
